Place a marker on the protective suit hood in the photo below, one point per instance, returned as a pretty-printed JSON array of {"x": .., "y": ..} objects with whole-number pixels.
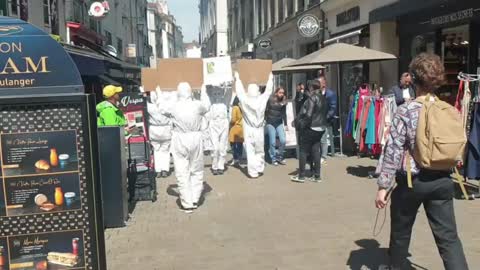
[
  {"x": 184, "y": 91},
  {"x": 253, "y": 90}
]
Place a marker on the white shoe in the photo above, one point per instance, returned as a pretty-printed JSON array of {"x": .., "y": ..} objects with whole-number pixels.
[{"x": 323, "y": 161}]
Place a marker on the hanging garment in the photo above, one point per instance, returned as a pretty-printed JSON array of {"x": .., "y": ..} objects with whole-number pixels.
[
  {"x": 354, "y": 115},
  {"x": 358, "y": 129},
  {"x": 363, "y": 125},
  {"x": 349, "y": 124},
  {"x": 467, "y": 96},
  {"x": 363, "y": 91},
  {"x": 472, "y": 166},
  {"x": 370, "y": 128},
  {"x": 377, "y": 148}
]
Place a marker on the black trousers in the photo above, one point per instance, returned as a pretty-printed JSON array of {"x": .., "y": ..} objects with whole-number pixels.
[
  {"x": 310, "y": 144},
  {"x": 435, "y": 191}
]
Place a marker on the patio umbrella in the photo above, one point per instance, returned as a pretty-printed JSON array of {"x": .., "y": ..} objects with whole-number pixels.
[
  {"x": 284, "y": 66},
  {"x": 277, "y": 66},
  {"x": 338, "y": 53}
]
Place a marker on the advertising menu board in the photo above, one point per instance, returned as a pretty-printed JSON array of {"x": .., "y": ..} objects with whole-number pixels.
[
  {"x": 134, "y": 106},
  {"x": 49, "y": 210}
]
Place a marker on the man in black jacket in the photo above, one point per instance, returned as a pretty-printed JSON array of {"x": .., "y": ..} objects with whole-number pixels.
[{"x": 312, "y": 122}]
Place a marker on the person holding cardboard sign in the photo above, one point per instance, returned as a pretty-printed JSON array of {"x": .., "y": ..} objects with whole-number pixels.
[
  {"x": 220, "y": 97},
  {"x": 253, "y": 105},
  {"x": 187, "y": 144}
]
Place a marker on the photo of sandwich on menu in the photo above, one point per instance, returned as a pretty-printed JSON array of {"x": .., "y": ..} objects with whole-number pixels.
[
  {"x": 42, "y": 194},
  {"x": 39, "y": 153},
  {"x": 50, "y": 251}
]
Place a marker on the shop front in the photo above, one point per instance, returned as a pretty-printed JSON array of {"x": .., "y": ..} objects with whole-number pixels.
[{"x": 449, "y": 30}]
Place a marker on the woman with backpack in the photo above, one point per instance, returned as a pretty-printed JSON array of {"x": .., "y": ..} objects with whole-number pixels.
[{"x": 419, "y": 175}]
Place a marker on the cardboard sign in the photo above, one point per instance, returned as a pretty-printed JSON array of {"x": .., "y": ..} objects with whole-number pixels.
[
  {"x": 253, "y": 71},
  {"x": 170, "y": 72},
  {"x": 217, "y": 70}
]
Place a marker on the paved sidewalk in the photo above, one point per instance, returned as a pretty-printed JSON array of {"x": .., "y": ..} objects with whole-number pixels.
[{"x": 272, "y": 223}]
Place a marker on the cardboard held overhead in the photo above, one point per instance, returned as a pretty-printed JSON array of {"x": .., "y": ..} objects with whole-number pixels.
[
  {"x": 254, "y": 71},
  {"x": 170, "y": 72}
]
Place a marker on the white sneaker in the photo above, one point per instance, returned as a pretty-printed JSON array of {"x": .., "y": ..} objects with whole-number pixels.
[{"x": 323, "y": 161}]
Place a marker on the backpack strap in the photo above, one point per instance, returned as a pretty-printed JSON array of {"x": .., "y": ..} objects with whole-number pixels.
[{"x": 457, "y": 177}]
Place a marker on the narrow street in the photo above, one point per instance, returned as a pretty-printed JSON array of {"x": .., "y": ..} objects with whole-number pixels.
[{"x": 272, "y": 223}]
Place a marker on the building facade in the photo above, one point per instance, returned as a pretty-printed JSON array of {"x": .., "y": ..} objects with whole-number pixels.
[{"x": 214, "y": 27}]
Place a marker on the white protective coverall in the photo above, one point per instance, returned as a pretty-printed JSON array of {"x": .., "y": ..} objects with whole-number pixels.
[
  {"x": 187, "y": 143},
  {"x": 253, "y": 105},
  {"x": 161, "y": 127},
  {"x": 218, "y": 123}
]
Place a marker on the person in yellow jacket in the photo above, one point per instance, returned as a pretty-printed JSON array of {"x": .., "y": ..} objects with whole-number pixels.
[{"x": 236, "y": 132}]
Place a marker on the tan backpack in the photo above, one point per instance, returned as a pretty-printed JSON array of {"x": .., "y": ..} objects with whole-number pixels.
[{"x": 440, "y": 138}]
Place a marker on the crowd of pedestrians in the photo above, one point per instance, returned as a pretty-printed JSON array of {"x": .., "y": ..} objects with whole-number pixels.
[{"x": 408, "y": 172}]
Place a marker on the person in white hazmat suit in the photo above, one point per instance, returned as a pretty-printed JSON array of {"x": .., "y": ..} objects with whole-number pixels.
[
  {"x": 161, "y": 128},
  {"x": 253, "y": 105},
  {"x": 219, "y": 97},
  {"x": 187, "y": 144}
]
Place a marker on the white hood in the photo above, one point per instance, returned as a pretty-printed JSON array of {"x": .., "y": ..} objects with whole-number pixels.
[
  {"x": 184, "y": 91},
  {"x": 253, "y": 90}
]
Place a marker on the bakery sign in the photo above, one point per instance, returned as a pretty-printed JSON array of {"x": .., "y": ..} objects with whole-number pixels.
[{"x": 29, "y": 59}]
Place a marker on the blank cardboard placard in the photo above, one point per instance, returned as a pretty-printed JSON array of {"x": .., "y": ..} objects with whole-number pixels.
[
  {"x": 253, "y": 71},
  {"x": 170, "y": 72},
  {"x": 149, "y": 79}
]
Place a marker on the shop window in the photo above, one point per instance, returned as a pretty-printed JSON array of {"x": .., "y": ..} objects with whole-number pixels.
[
  {"x": 119, "y": 47},
  {"x": 108, "y": 36},
  {"x": 454, "y": 52},
  {"x": 265, "y": 16},
  {"x": 300, "y": 5},
  {"x": 14, "y": 7},
  {"x": 259, "y": 17},
  {"x": 281, "y": 11},
  {"x": 290, "y": 8},
  {"x": 272, "y": 13},
  {"x": 46, "y": 12}
]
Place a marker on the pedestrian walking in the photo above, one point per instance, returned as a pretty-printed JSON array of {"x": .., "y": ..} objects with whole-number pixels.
[
  {"x": 300, "y": 97},
  {"x": 312, "y": 123},
  {"x": 431, "y": 187},
  {"x": 253, "y": 105},
  {"x": 236, "y": 132},
  {"x": 187, "y": 144},
  {"x": 276, "y": 124}
]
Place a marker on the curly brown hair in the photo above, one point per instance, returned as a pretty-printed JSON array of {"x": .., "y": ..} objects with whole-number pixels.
[{"x": 428, "y": 71}]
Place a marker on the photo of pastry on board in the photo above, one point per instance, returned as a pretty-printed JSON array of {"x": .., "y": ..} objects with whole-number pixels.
[
  {"x": 50, "y": 251},
  {"x": 39, "y": 153},
  {"x": 42, "y": 194}
]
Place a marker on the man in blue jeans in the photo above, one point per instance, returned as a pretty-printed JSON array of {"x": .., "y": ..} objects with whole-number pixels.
[
  {"x": 331, "y": 96},
  {"x": 276, "y": 120}
]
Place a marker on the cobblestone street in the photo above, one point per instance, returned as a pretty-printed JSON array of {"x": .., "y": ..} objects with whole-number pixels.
[{"x": 272, "y": 223}]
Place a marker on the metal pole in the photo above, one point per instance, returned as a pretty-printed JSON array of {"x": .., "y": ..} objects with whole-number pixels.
[{"x": 339, "y": 91}]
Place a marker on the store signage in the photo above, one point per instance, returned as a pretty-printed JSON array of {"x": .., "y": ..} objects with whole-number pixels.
[
  {"x": 30, "y": 59},
  {"x": 265, "y": 43},
  {"x": 453, "y": 17},
  {"x": 348, "y": 16},
  {"x": 99, "y": 9},
  {"x": 131, "y": 51},
  {"x": 309, "y": 25}
]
